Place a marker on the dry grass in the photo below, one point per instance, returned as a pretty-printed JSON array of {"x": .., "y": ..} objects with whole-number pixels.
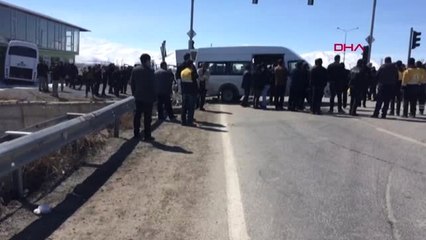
[
  {"x": 126, "y": 121},
  {"x": 62, "y": 163}
]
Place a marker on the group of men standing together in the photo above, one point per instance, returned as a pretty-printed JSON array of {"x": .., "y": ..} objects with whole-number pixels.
[
  {"x": 96, "y": 78},
  {"x": 149, "y": 86},
  {"x": 389, "y": 86}
]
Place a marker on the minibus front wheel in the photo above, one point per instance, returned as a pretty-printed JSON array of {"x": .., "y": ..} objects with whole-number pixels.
[{"x": 228, "y": 94}]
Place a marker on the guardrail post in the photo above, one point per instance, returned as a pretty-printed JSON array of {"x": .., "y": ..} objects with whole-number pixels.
[
  {"x": 117, "y": 127},
  {"x": 18, "y": 182}
]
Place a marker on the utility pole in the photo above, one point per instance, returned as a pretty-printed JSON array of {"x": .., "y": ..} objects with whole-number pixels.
[
  {"x": 371, "y": 39},
  {"x": 191, "y": 32}
]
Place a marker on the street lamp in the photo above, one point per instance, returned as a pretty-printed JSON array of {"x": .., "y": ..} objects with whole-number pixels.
[{"x": 346, "y": 35}]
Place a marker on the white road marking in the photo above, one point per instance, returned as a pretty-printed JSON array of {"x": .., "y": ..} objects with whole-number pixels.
[
  {"x": 408, "y": 139},
  {"x": 236, "y": 221},
  {"x": 402, "y": 137}
]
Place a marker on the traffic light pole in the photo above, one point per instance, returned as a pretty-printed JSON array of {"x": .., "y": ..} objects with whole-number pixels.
[
  {"x": 410, "y": 46},
  {"x": 370, "y": 43}
]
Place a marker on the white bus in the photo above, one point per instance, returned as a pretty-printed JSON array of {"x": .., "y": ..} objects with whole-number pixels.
[
  {"x": 21, "y": 61},
  {"x": 226, "y": 65}
]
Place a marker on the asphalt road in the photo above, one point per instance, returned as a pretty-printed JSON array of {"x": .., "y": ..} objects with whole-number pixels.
[
  {"x": 328, "y": 177},
  {"x": 248, "y": 174}
]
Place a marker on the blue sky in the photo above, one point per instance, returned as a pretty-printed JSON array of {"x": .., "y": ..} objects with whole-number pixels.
[{"x": 144, "y": 24}]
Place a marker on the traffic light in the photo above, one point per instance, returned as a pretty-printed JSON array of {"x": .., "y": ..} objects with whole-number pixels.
[
  {"x": 254, "y": 1},
  {"x": 365, "y": 54},
  {"x": 310, "y": 2},
  {"x": 415, "y": 40}
]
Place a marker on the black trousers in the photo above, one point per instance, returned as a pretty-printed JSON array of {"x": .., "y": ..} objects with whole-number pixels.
[
  {"x": 345, "y": 96},
  {"x": 396, "y": 98},
  {"x": 279, "y": 96},
  {"x": 385, "y": 94},
  {"x": 410, "y": 98},
  {"x": 104, "y": 85},
  {"x": 293, "y": 99},
  {"x": 202, "y": 96},
  {"x": 89, "y": 86},
  {"x": 317, "y": 94},
  {"x": 246, "y": 97},
  {"x": 257, "y": 93},
  {"x": 334, "y": 91},
  {"x": 146, "y": 109},
  {"x": 421, "y": 96},
  {"x": 372, "y": 91},
  {"x": 355, "y": 100},
  {"x": 165, "y": 104}
]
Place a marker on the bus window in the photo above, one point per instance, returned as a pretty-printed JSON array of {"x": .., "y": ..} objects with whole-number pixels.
[
  {"x": 291, "y": 65},
  {"x": 218, "y": 68},
  {"x": 23, "y": 51},
  {"x": 238, "y": 68}
]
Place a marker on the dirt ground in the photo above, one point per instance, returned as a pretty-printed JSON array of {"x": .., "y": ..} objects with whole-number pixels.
[{"x": 173, "y": 188}]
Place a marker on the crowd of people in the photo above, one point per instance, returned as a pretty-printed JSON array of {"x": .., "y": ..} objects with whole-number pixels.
[
  {"x": 95, "y": 78},
  {"x": 390, "y": 86}
]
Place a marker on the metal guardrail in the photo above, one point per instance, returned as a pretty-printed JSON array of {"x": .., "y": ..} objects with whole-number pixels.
[{"x": 16, "y": 153}]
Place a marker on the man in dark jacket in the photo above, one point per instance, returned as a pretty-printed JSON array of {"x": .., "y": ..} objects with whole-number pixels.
[
  {"x": 281, "y": 75},
  {"x": 387, "y": 78},
  {"x": 345, "y": 86},
  {"x": 42, "y": 72},
  {"x": 296, "y": 87},
  {"x": 318, "y": 83},
  {"x": 143, "y": 89},
  {"x": 246, "y": 85},
  {"x": 164, "y": 80},
  {"x": 187, "y": 73},
  {"x": 336, "y": 74},
  {"x": 358, "y": 79},
  {"x": 258, "y": 84}
]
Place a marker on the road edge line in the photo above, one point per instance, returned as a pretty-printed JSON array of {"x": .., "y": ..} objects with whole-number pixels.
[{"x": 237, "y": 228}]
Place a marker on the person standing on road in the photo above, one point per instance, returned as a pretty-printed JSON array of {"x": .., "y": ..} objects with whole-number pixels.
[
  {"x": 345, "y": 86},
  {"x": 372, "y": 88},
  {"x": 304, "y": 88},
  {"x": 187, "y": 73},
  {"x": 421, "y": 89},
  {"x": 203, "y": 80},
  {"x": 56, "y": 78},
  {"x": 89, "y": 79},
  {"x": 42, "y": 72},
  {"x": 387, "y": 78},
  {"x": 397, "y": 96},
  {"x": 335, "y": 77},
  {"x": 357, "y": 79},
  {"x": 318, "y": 83},
  {"x": 296, "y": 87},
  {"x": 62, "y": 75},
  {"x": 143, "y": 89},
  {"x": 258, "y": 84},
  {"x": 164, "y": 80},
  {"x": 267, "y": 78},
  {"x": 410, "y": 83},
  {"x": 281, "y": 75},
  {"x": 246, "y": 85}
]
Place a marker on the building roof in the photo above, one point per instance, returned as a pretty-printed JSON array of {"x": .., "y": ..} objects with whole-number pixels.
[{"x": 12, "y": 6}]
